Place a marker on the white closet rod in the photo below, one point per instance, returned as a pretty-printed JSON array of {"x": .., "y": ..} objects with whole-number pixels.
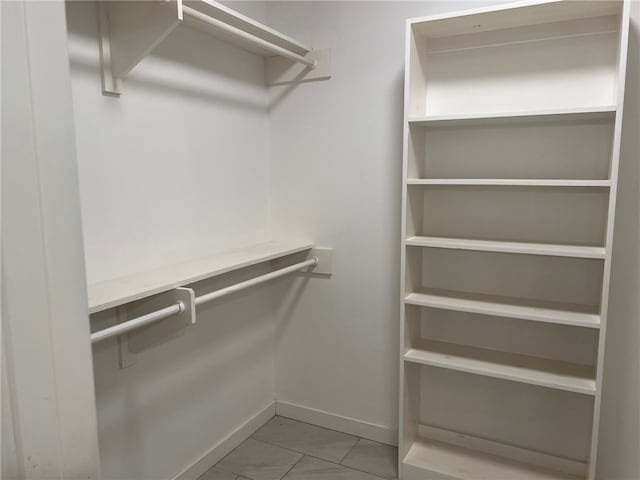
[
  {"x": 276, "y": 49},
  {"x": 179, "y": 307},
  {"x": 207, "y": 297}
]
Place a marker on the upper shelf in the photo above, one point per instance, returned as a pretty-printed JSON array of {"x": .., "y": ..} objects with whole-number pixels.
[
  {"x": 599, "y": 113},
  {"x": 509, "y": 15},
  {"x": 510, "y": 182},
  {"x": 131, "y": 30},
  {"x": 549, "y": 249},
  {"x": 118, "y": 291}
]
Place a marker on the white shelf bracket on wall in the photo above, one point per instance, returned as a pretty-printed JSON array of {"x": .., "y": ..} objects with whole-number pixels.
[{"x": 131, "y": 30}]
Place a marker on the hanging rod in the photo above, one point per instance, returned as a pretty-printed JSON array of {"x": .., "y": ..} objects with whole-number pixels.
[
  {"x": 179, "y": 307},
  {"x": 276, "y": 49}
]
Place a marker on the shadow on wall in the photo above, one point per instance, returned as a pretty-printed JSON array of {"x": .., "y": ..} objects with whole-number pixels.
[
  {"x": 171, "y": 381},
  {"x": 620, "y": 424},
  {"x": 212, "y": 64}
]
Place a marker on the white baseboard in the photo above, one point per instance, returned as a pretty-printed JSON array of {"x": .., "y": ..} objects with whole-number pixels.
[
  {"x": 371, "y": 431},
  {"x": 224, "y": 446}
]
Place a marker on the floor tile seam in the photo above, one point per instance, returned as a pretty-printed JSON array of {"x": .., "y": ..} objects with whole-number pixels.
[
  {"x": 317, "y": 426},
  {"x": 332, "y": 462},
  {"x": 355, "y": 468},
  {"x": 240, "y": 475},
  {"x": 368, "y": 473},
  {"x": 296, "y": 451},
  {"x": 350, "y": 450},
  {"x": 293, "y": 466},
  {"x": 346, "y": 466},
  {"x": 311, "y": 456}
]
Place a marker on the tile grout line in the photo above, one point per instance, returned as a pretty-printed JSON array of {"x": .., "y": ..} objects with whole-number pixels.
[
  {"x": 349, "y": 451},
  {"x": 364, "y": 471},
  {"x": 292, "y": 466},
  {"x": 301, "y": 453},
  {"x": 323, "y": 459},
  {"x": 317, "y": 426}
]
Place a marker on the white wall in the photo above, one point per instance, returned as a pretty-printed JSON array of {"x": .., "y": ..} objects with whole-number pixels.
[
  {"x": 336, "y": 173},
  {"x": 176, "y": 167},
  {"x": 618, "y": 458},
  {"x": 336, "y": 153}
]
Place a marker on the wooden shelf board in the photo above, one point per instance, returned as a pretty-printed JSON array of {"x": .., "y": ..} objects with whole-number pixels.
[
  {"x": 509, "y": 15},
  {"x": 507, "y": 366},
  {"x": 432, "y": 459},
  {"x": 118, "y": 291},
  {"x": 548, "y": 312},
  {"x": 550, "y": 249},
  {"x": 507, "y": 182},
  {"x": 235, "y": 19},
  {"x": 604, "y": 112}
]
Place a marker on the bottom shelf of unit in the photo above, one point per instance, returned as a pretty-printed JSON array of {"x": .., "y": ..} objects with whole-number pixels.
[{"x": 443, "y": 461}]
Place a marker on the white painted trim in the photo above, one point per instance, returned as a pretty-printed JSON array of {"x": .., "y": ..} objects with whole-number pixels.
[
  {"x": 371, "y": 431},
  {"x": 44, "y": 312},
  {"x": 606, "y": 276},
  {"x": 218, "y": 451}
]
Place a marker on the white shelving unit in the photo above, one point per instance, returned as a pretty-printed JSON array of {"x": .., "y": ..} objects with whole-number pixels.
[
  {"x": 511, "y": 146},
  {"x": 130, "y": 30}
]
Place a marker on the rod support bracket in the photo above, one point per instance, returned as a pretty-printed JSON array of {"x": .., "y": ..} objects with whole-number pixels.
[
  {"x": 282, "y": 71},
  {"x": 324, "y": 261},
  {"x": 134, "y": 343}
]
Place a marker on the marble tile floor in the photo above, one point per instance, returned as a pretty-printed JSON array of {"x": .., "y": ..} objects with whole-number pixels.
[{"x": 285, "y": 449}]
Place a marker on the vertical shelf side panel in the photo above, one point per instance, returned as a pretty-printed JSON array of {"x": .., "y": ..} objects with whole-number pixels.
[
  {"x": 615, "y": 160},
  {"x": 409, "y": 390},
  {"x": 415, "y": 84}
]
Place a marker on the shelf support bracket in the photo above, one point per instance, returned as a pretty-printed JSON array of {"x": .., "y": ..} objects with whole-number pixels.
[
  {"x": 128, "y": 31},
  {"x": 110, "y": 85}
]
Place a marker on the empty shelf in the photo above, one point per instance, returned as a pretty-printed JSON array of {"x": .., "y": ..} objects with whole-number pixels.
[
  {"x": 507, "y": 182},
  {"x": 549, "y": 312},
  {"x": 432, "y": 459},
  {"x": 578, "y": 251},
  {"x": 118, "y": 291},
  {"x": 600, "y": 113},
  {"x": 508, "y": 366}
]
